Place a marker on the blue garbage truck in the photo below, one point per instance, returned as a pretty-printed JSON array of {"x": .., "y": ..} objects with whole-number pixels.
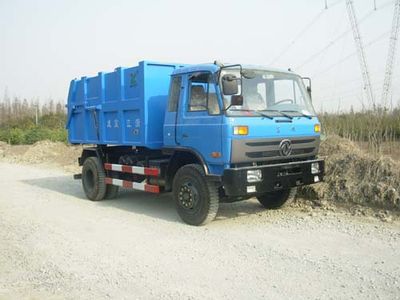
[{"x": 208, "y": 133}]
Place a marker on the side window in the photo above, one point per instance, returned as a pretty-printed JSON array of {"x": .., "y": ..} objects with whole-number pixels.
[
  {"x": 174, "y": 93},
  {"x": 203, "y": 96},
  {"x": 198, "y": 96}
]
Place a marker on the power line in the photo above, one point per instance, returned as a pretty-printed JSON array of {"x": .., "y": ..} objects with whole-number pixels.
[
  {"x": 344, "y": 92},
  {"x": 347, "y": 81},
  {"x": 305, "y": 29},
  {"x": 302, "y": 32},
  {"x": 349, "y": 93},
  {"x": 374, "y": 41},
  {"x": 361, "y": 52},
  {"x": 339, "y": 37}
]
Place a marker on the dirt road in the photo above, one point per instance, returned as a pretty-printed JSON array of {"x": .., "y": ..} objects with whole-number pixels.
[{"x": 55, "y": 244}]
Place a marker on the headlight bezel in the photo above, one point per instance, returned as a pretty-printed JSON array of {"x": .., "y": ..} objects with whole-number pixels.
[
  {"x": 315, "y": 169},
  {"x": 254, "y": 175}
]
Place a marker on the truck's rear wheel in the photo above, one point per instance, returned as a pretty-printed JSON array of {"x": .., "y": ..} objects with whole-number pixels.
[
  {"x": 274, "y": 200},
  {"x": 93, "y": 179},
  {"x": 196, "y": 199}
]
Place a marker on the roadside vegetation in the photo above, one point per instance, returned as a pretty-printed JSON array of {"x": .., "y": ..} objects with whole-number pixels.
[
  {"x": 376, "y": 131},
  {"x": 362, "y": 160},
  {"x": 23, "y": 122}
]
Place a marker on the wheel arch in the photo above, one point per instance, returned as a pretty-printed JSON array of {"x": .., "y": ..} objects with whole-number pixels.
[
  {"x": 90, "y": 152},
  {"x": 179, "y": 158}
]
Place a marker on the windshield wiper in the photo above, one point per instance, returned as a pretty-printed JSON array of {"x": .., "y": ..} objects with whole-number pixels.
[
  {"x": 278, "y": 111},
  {"x": 299, "y": 112},
  {"x": 265, "y": 115},
  {"x": 255, "y": 111}
]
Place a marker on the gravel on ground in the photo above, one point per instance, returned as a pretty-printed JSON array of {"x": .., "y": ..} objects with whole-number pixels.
[{"x": 55, "y": 244}]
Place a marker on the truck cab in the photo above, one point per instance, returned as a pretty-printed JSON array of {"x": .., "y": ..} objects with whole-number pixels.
[{"x": 254, "y": 127}]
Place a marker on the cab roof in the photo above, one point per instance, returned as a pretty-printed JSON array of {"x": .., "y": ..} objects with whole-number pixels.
[{"x": 208, "y": 67}]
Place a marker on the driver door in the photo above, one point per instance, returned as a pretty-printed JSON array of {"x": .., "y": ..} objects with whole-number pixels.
[{"x": 199, "y": 125}]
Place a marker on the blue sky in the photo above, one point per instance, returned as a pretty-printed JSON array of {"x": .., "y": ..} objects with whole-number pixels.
[{"x": 46, "y": 43}]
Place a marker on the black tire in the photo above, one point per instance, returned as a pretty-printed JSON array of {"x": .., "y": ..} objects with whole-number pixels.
[
  {"x": 275, "y": 200},
  {"x": 93, "y": 179},
  {"x": 111, "y": 191},
  {"x": 196, "y": 199}
]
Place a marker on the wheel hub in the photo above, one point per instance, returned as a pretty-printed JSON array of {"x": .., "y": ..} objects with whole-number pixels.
[{"x": 188, "y": 196}]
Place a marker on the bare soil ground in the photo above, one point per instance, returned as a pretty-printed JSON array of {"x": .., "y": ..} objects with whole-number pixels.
[{"x": 55, "y": 244}]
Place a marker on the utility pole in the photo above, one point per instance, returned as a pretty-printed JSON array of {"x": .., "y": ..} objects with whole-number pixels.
[
  {"x": 360, "y": 52},
  {"x": 387, "y": 84}
]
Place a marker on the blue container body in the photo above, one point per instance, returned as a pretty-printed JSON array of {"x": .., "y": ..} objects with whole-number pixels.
[{"x": 124, "y": 107}]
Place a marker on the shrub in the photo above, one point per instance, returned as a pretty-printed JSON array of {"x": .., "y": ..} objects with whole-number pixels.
[
  {"x": 36, "y": 134},
  {"x": 16, "y": 136},
  {"x": 24, "y": 131}
]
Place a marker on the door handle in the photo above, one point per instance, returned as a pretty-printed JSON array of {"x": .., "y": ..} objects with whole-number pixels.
[{"x": 184, "y": 135}]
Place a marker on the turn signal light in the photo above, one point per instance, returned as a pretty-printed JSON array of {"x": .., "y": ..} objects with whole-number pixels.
[
  {"x": 215, "y": 154},
  {"x": 240, "y": 130},
  {"x": 317, "y": 128}
]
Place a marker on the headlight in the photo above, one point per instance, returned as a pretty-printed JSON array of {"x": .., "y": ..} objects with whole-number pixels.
[
  {"x": 314, "y": 168},
  {"x": 254, "y": 175}
]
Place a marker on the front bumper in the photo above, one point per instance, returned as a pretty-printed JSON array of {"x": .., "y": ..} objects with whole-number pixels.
[{"x": 274, "y": 178}]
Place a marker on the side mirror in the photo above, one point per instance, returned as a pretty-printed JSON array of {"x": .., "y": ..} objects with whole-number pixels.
[
  {"x": 229, "y": 84},
  {"x": 237, "y": 100}
]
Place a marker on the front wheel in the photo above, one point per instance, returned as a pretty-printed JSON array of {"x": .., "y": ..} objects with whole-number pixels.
[
  {"x": 274, "y": 200},
  {"x": 196, "y": 199}
]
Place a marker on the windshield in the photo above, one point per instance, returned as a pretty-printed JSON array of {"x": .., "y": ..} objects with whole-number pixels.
[{"x": 268, "y": 93}]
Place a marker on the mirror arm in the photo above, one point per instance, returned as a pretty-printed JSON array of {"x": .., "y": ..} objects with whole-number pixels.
[
  {"x": 309, "y": 81},
  {"x": 226, "y": 108}
]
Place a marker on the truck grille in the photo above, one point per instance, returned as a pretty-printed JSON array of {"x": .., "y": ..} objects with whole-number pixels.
[{"x": 269, "y": 149}]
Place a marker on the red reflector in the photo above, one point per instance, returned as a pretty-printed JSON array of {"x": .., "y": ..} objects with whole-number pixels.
[
  {"x": 127, "y": 184},
  {"x": 152, "y": 188},
  {"x": 126, "y": 169},
  {"x": 151, "y": 171}
]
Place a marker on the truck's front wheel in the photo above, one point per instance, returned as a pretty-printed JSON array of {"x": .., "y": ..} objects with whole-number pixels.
[
  {"x": 196, "y": 199},
  {"x": 274, "y": 200},
  {"x": 93, "y": 179}
]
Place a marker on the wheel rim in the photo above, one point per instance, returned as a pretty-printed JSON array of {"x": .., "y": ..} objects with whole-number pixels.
[{"x": 188, "y": 196}]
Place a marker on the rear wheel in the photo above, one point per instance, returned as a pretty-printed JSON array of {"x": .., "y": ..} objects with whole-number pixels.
[
  {"x": 274, "y": 200},
  {"x": 93, "y": 176},
  {"x": 196, "y": 199}
]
